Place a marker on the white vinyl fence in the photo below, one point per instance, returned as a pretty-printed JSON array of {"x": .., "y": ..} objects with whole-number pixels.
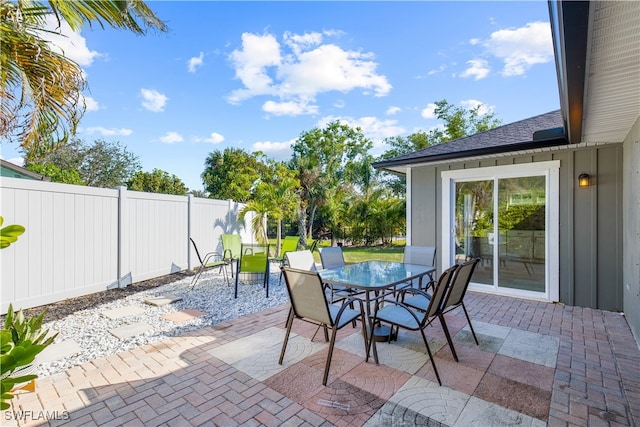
[{"x": 80, "y": 240}]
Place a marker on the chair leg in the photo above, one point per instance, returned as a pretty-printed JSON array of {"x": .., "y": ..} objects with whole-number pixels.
[
  {"x": 235, "y": 295},
  {"x": 370, "y": 342},
  {"x": 470, "y": 325},
  {"x": 286, "y": 335},
  {"x": 328, "y": 363},
  {"x": 448, "y": 335},
  {"x": 433, "y": 362},
  {"x": 196, "y": 277}
]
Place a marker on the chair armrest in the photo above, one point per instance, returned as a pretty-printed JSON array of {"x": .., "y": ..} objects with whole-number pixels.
[{"x": 212, "y": 255}]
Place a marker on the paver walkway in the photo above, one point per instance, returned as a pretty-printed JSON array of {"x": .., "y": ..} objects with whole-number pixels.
[{"x": 537, "y": 364}]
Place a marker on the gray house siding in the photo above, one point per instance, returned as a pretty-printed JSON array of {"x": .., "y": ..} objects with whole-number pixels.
[
  {"x": 631, "y": 219},
  {"x": 590, "y": 240}
]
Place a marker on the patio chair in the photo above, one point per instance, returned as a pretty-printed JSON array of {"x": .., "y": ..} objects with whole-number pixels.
[
  {"x": 289, "y": 244},
  {"x": 308, "y": 303},
  {"x": 210, "y": 260},
  {"x": 400, "y": 315},
  {"x": 420, "y": 255},
  {"x": 332, "y": 257},
  {"x": 231, "y": 245},
  {"x": 452, "y": 299},
  {"x": 254, "y": 259},
  {"x": 301, "y": 260}
]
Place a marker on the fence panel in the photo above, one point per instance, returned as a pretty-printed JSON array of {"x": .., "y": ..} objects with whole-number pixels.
[
  {"x": 69, "y": 246},
  {"x": 80, "y": 240}
]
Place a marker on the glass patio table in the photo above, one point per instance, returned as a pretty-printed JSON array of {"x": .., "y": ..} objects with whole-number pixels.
[{"x": 380, "y": 277}]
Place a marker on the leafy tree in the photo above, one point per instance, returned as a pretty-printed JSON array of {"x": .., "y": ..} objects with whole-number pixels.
[
  {"x": 199, "y": 193},
  {"x": 67, "y": 176},
  {"x": 231, "y": 174},
  {"x": 458, "y": 122},
  {"x": 157, "y": 181},
  {"x": 101, "y": 164},
  {"x": 323, "y": 158},
  {"x": 40, "y": 89}
]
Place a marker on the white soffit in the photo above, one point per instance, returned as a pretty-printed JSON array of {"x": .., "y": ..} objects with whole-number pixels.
[{"x": 612, "y": 88}]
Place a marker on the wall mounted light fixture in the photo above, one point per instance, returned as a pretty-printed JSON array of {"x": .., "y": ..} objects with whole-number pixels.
[{"x": 584, "y": 180}]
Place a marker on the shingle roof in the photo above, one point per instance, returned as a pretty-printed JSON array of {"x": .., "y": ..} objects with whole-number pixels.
[{"x": 511, "y": 137}]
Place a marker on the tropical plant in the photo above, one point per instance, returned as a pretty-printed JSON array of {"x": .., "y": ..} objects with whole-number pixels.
[
  {"x": 41, "y": 89},
  {"x": 21, "y": 340},
  {"x": 157, "y": 181},
  {"x": 9, "y": 234}
]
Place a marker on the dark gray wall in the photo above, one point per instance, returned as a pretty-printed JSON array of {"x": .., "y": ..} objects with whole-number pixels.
[{"x": 590, "y": 229}]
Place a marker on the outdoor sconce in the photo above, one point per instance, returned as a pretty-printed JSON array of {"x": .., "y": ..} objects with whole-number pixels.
[{"x": 584, "y": 180}]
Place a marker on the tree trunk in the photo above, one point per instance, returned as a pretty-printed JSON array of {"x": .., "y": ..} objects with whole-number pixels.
[
  {"x": 302, "y": 226},
  {"x": 278, "y": 237},
  {"x": 311, "y": 216}
]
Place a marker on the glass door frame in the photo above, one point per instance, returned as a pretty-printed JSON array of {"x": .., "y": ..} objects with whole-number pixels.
[{"x": 549, "y": 169}]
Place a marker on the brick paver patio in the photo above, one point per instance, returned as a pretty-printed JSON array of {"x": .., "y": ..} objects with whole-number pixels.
[{"x": 537, "y": 364}]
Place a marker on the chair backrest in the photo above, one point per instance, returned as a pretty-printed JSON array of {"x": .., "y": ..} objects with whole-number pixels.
[
  {"x": 197, "y": 252},
  {"x": 231, "y": 245},
  {"x": 301, "y": 260},
  {"x": 289, "y": 244},
  {"x": 420, "y": 255},
  {"x": 460, "y": 283},
  {"x": 254, "y": 258},
  {"x": 440, "y": 291},
  {"x": 307, "y": 296},
  {"x": 332, "y": 257}
]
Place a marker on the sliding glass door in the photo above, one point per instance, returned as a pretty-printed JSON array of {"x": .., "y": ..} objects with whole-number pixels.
[{"x": 502, "y": 216}]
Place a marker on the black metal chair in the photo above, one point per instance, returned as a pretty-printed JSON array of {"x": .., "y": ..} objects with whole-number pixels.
[{"x": 210, "y": 260}]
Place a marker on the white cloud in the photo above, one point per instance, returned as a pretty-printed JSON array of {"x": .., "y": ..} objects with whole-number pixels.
[
  {"x": 478, "y": 68},
  {"x": 429, "y": 112},
  {"x": 153, "y": 100},
  {"x": 251, "y": 63},
  {"x": 474, "y": 41},
  {"x": 290, "y": 108},
  {"x": 371, "y": 127},
  {"x": 106, "y": 131},
  {"x": 214, "y": 138},
  {"x": 440, "y": 69},
  {"x": 91, "y": 104},
  {"x": 171, "y": 138},
  {"x": 470, "y": 104},
  {"x": 68, "y": 42},
  {"x": 393, "y": 110},
  {"x": 521, "y": 48},
  {"x": 300, "y": 69},
  {"x": 195, "y": 62},
  {"x": 276, "y": 150}
]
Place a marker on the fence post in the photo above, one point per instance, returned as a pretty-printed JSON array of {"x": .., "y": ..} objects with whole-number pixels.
[
  {"x": 190, "y": 213},
  {"x": 123, "y": 240}
]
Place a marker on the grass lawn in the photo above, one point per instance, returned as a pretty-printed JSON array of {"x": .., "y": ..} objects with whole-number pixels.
[{"x": 358, "y": 254}]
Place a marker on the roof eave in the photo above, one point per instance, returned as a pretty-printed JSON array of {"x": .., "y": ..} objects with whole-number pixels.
[
  {"x": 569, "y": 30},
  {"x": 530, "y": 145}
]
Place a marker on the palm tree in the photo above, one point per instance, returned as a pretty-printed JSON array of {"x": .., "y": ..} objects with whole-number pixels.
[
  {"x": 40, "y": 89},
  {"x": 277, "y": 199}
]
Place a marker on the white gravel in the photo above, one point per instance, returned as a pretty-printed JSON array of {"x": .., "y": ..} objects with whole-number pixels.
[{"x": 90, "y": 329}]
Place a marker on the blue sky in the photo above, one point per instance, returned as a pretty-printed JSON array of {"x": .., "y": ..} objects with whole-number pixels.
[{"x": 255, "y": 75}]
